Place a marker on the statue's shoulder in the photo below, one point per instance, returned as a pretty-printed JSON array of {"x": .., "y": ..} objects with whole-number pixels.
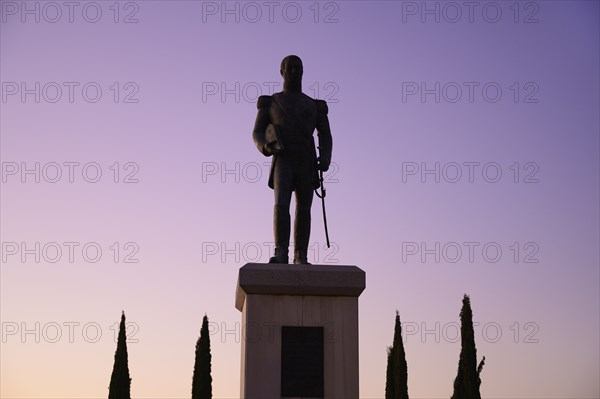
[
  {"x": 275, "y": 95},
  {"x": 264, "y": 102},
  {"x": 322, "y": 106}
]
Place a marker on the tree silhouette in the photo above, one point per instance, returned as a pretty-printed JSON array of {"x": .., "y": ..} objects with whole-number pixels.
[
  {"x": 202, "y": 380},
  {"x": 467, "y": 381},
  {"x": 120, "y": 383},
  {"x": 389, "y": 375},
  {"x": 396, "y": 386}
]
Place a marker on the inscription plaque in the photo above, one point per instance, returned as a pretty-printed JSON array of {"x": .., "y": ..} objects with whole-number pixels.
[{"x": 302, "y": 368}]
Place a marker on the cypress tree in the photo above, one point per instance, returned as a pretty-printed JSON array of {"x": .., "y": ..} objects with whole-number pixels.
[
  {"x": 202, "y": 380},
  {"x": 467, "y": 381},
  {"x": 389, "y": 380},
  {"x": 396, "y": 386},
  {"x": 120, "y": 382}
]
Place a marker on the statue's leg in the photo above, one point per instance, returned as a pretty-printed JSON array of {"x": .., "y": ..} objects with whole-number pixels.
[
  {"x": 283, "y": 185},
  {"x": 304, "y": 198}
]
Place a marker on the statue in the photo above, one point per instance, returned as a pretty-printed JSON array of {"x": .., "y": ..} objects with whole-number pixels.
[{"x": 284, "y": 129}]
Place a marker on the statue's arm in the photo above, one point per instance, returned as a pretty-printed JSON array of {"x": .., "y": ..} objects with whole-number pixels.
[
  {"x": 263, "y": 119},
  {"x": 324, "y": 134}
]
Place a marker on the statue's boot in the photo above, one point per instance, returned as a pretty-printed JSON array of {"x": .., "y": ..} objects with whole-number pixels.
[
  {"x": 281, "y": 228},
  {"x": 301, "y": 257},
  {"x": 302, "y": 230},
  {"x": 281, "y": 256}
]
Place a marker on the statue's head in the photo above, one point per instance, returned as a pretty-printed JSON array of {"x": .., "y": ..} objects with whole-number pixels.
[{"x": 291, "y": 70}]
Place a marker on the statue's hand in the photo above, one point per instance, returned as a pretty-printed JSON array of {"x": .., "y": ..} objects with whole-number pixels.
[
  {"x": 271, "y": 148},
  {"x": 322, "y": 164}
]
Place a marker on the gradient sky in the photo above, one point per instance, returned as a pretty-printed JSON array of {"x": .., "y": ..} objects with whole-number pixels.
[{"x": 179, "y": 83}]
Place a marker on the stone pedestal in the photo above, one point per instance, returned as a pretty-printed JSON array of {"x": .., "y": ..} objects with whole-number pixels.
[{"x": 281, "y": 360}]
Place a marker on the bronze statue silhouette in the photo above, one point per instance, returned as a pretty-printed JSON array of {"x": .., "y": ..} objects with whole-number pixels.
[{"x": 284, "y": 129}]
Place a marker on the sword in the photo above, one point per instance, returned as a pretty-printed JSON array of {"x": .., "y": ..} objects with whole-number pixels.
[{"x": 322, "y": 196}]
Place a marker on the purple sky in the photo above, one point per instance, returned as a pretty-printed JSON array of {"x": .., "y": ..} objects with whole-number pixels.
[{"x": 454, "y": 139}]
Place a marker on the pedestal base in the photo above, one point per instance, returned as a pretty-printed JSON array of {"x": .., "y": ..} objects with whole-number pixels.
[{"x": 274, "y": 296}]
